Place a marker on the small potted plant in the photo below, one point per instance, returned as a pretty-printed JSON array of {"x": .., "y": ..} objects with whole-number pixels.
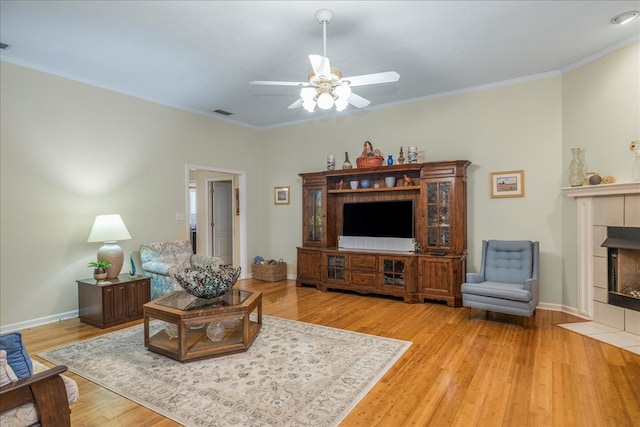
[{"x": 100, "y": 269}]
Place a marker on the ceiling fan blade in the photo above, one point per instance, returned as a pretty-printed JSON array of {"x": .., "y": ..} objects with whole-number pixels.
[
  {"x": 372, "y": 79},
  {"x": 272, "y": 83},
  {"x": 320, "y": 65},
  {"x": 296, "y": 104},
  {"x": 358, "y": 101}
]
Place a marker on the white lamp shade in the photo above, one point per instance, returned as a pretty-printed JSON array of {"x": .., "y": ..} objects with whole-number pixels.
[{"x": 108, "y": 228}]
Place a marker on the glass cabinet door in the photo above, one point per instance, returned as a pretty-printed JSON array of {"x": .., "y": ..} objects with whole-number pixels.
[
  {"x": 393, "y": 272},
  {"x": 314, "y": 224},
  {"x": 438, "y": 214},
  {"x": 336, "y": 268}
]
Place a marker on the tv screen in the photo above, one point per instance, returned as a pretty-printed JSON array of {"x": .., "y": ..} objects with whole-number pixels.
[{"x": 393, "y": 218}]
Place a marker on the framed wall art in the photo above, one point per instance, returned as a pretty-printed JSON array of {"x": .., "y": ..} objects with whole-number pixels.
[
  {"x": 507, "y": 184},
  {"x": 281, "y": 195}
]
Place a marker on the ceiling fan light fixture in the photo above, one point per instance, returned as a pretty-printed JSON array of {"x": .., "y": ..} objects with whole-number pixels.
[
  {"x": 307, "y": 93},
  {"x": 325, "y": 101},
  {"x": 310, "y": 106},
  {"x": 341, "y": 104},
  {"x": 343, "y": 91},
  {"x": 625, "y": 18}
]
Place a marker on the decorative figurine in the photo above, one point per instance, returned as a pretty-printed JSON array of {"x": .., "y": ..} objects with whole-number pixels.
[
  {"x": 407, "y": 181},
  {"x": 340, "y": 184}
]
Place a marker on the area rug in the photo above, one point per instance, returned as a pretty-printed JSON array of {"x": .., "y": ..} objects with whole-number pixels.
[{"x": 294, "y": 374}]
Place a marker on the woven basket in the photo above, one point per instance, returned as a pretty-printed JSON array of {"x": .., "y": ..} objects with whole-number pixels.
[
  {"x": 367, "y": 161},
  {"x": 270, "y": 272}
]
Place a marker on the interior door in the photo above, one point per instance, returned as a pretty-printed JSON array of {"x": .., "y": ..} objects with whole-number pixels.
[{"x": 222, "y": 221}]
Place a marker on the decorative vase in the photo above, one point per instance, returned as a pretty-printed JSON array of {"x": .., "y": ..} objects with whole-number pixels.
[
  {"x": 215, "y": 331},
  {"x": 132, "y": 272},
  {"x": 576, "y": 169},
  {"x": 100, "y": 273},
  {"x": 412, "y": 153},
  {"x": 347, "y": 164},
  {"x": 390, "y": 160},
  {"x": 390, "y": 181},
  {"x": 401, "y": 157},
  {"x": 331, "y": 162}
]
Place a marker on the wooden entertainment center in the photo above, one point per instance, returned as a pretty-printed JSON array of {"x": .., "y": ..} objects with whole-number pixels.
[{"x": 436, "y": 268}]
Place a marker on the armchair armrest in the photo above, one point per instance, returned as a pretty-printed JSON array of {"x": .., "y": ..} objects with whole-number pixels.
[
  {"x": 532, "y": 286},
  {"x": 46, "y": 390},
  {"x": 159, "y": 267},
  {"x": 475, "y": 278},
  {"x": 202, "y": 261}
]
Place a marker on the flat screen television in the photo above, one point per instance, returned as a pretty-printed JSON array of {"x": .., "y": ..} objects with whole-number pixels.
[{"x": 391, "y": 218}]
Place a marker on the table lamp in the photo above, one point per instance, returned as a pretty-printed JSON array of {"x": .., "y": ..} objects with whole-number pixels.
[{"x": 109, "y": 229}]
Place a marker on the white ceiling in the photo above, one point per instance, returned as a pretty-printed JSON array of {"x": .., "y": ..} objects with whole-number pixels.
[{"x": 200, "y": 55}]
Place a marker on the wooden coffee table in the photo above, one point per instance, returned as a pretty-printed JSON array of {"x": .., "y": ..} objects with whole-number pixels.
[{"x": 196, "y": 328}]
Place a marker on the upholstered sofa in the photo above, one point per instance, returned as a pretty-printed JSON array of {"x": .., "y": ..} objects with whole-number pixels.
[
  {"x": 163, "y": 260},
  {"x": 32, "y": 394}
]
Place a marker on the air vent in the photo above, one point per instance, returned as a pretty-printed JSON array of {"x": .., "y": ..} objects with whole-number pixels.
[
  {"x": 3, "y": 46},
  {"x": 224, "y": 113}
]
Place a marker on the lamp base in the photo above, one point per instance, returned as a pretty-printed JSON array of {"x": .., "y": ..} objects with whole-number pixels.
[{"x": 114, "y": 254}]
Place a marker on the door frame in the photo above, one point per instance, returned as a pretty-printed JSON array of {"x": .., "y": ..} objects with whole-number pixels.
[
  {"x": 211, "y": 206},
  {"x": 241, "y": 177}
]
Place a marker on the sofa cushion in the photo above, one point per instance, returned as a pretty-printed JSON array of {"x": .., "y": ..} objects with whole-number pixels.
[
  {"x": 7, "y": 375},
  {"x": 17, "y": 355},
  {"x": 27, "y": 414},
  {"x": 505, "y": 291},
  {"x": 509, "y": 261}
]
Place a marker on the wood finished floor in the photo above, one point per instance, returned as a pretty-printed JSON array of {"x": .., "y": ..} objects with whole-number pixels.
[{"x": 458, "y": 372}]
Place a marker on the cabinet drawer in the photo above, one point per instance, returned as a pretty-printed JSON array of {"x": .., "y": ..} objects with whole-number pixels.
[
  {"x": 363, "y": 262},
  {"x": 363, "y": 279}
]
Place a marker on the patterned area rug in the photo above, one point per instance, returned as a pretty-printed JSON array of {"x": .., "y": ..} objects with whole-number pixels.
[{"x": 294, "y": 374}]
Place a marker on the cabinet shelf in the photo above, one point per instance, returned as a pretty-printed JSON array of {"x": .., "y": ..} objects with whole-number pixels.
[
  {"x": 366, "y": 190},
  {"x": 435, "y": 272}
]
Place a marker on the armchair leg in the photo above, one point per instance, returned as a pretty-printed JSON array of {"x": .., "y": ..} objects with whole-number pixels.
[{"x": 468, "y": 313}]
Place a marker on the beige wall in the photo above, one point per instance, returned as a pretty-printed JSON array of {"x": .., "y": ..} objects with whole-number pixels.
[
  {"x": 70, "y": 151},
  {"x": 601, "y": 115},
  {"x": 504, "y": 128}
]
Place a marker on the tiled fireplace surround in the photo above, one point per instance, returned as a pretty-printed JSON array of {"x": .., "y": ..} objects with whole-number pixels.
[{"x": 598, "y": 207}]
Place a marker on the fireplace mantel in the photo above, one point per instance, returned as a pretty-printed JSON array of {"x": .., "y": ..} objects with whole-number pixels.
[{"x": 603, "y": 189}]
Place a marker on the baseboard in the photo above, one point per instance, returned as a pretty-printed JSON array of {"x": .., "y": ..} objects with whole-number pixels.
[
  {"x": 38, "y": 322},
  {"x": 71, "y": 314}
]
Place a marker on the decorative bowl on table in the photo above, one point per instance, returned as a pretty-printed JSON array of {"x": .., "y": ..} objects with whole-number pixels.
[{"x": 208, "y": 282}]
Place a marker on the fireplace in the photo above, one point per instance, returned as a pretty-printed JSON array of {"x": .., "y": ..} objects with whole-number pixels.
[{"x": 623, "y": 265}]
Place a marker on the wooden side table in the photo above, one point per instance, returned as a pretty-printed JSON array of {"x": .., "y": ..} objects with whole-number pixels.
[{"x": 114, "y": 301}]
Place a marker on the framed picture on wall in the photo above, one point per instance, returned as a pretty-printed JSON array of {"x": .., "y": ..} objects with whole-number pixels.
[
  {"x": 507, "y": 184},
  {"x": 281, "y": 195}
]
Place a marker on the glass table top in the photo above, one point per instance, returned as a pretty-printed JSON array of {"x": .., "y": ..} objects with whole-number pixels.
[{"x": 183, "y": 300}]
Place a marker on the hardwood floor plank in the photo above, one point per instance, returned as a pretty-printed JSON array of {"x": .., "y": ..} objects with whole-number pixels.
[{"x": 483, "y": 371}]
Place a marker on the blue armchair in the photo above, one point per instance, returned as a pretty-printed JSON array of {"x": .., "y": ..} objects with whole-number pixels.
[
  {"x": 162, "y": 261},
  {"x": 508, "y": 279}
]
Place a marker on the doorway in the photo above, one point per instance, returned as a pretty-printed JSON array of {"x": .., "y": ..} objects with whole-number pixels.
[
  {"x": 221, "y": 219},
  {"x": 230, "y": 186}
]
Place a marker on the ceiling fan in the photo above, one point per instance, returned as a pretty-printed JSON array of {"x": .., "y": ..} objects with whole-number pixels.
[{"x": 326, "y": 86}]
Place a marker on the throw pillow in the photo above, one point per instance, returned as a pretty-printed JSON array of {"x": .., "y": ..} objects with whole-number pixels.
[
  {"x": 7, "y": 375},
  {"x": 17, "y": 355}
]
